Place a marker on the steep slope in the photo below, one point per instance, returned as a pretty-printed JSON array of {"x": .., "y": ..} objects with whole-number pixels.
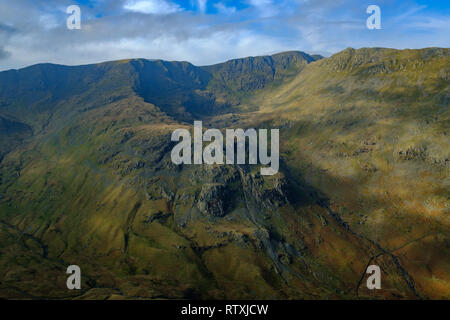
[
  {"x": 369, "y": 129},
  {"x": 102, "y": 193},
  {"x": 236, "y": 79},
  {"x": 89, "y": 145},
  {"x": 46, "y": 93},
  {"x": 34, "y": 98}
]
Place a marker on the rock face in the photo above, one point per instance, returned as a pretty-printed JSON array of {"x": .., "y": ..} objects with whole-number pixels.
[
  {"x": 270, "y": 193},
  {"x": 212, "y": 200},
  {"x": 253, "y": 73}
]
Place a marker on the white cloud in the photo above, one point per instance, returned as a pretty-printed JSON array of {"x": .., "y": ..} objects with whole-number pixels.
[
  {"x": 152, "y": 6},
  {"x": 29, "y": 33},
  {"x": 438, "y": 23},
  {"x": 266, "y": 8},
  {"x": 223, "y": 9},
  {"x": 49, "y": 21},
  {"x": 260, "y": 3}
]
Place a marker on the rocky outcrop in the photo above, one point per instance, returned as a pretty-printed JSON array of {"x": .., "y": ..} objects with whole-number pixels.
[{"x": 212, "y": 200}]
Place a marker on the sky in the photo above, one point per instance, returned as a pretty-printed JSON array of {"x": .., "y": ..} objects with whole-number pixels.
[{"x": 205, "y": 32}]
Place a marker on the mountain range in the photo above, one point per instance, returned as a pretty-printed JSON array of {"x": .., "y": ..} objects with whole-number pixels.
[{"x": 86, "y": 179}]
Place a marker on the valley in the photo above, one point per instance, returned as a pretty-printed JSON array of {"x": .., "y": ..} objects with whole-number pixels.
[{"x": 86, "y": 178}]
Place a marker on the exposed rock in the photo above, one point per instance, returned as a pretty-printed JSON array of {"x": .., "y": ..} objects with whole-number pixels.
[
  {"x": 212, "y": 200},
  {"x": 160, "y": 216}
]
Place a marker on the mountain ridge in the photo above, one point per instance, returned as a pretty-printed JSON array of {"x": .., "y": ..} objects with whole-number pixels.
[{"x": 295, "y": 52}]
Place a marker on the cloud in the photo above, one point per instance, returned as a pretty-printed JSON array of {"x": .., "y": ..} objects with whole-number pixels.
[
  {"x": 49, "y": 21},
  {"x": 5, "y": 29},
  {"x": 223, "y": 9},
  {"x": 5, "y": 33},
  {"x": 441, "y": 24},
  {"x": 266, "y": 8},
  {"x": 34, "y": 31},
  {"x": 152, "y": 6},
  {"x": 4, "y": 54}
]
